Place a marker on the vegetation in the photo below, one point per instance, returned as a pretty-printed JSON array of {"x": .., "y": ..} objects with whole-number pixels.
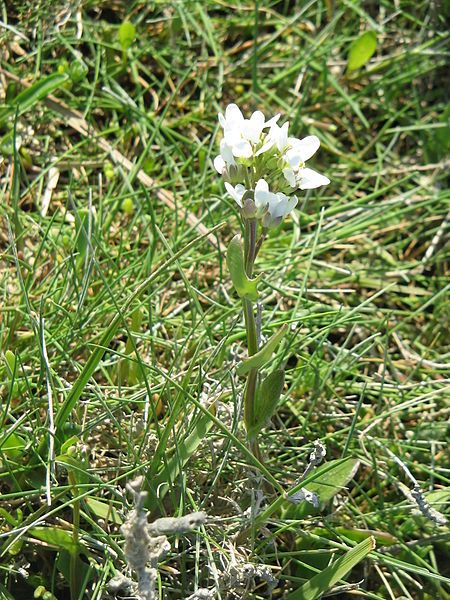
[{"x": 120, "y": 330}]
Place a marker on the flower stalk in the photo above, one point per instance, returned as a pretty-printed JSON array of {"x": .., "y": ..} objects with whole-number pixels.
[{"x": 250, "y": 325}]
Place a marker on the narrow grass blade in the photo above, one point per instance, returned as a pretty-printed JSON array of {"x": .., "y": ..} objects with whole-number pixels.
[
  {"x": 185, "y": 449},
  {"x": 96, "y": 356},
  {"x": 32, "y": 95},
  {"x": 320, "y": 583}
]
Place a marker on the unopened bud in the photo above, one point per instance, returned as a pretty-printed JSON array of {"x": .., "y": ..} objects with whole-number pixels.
[
  {"x": 269, "y": 222},
  {"x": 249, "y": 209},
  {"x": 233, "y": 174}
]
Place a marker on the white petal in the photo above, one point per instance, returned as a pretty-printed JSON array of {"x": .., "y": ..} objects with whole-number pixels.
[
  {"x": 292, "y": 203},
  {"x": 222, "y": 120},
  {"x": 306, "y": 147},
  {"x": 240, "y": 191},
  {"x": 258, "y": 117},
  {"x": 253, "y": 127},
  {"x": 261, "y": 186},
  {"x": 242, "y": 149},
  {"x": 293, "y": 158},
  {"x": 227, "y": 153},
  {"x": 230, "y": 189},
  {"x": 235, "y": 192},
  {"x": 290, "y": 177},
  {"x": 232, "y": 136},
  {"x": 219, "y": 164},
  {"x": 272, "y": 121},
  {"x": 233, "y": 115},
  {"x": 309, "y": 179},
  {"x": 266, "y": 146},
  {"x": 263, "y": 197},
  {"x": 284, "y": 205},
  {"x": 282, "y": 137}
]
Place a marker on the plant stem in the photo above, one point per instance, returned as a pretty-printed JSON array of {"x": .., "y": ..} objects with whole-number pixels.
[
  {"x": 74, "y": 559},
  {"x": 250, "y": 326}
]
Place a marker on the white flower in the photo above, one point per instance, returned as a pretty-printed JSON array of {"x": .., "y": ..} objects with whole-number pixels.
[
  {"x": 243, "y": 141},
  {"x": 301, "y": 150},
  {"x": 284, "y": 205},
  {"x": 298, "y": 153},
  {"x": 239, "y": 133},
  {"x": 236, "y": 192},
  {"x": 277, "y": 136},
  {"x": 278, "y": 204},
  {"x": 309, "y": 180}
]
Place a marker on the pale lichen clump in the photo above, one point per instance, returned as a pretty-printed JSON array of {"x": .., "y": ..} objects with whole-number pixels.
[{"x": 146, "y": 544}]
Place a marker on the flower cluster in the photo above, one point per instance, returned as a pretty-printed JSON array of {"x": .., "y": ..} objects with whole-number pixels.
[{"x": 262, "y": 166}]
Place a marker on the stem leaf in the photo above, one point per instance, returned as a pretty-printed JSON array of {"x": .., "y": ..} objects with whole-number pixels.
[
  {"x": 127, "y": 34},
  {"x": 268, "y": 397},
  {"x": 245, "y": 287},
  {"x": 264, "y": 355},
  {"x": 330, "y": 478}
]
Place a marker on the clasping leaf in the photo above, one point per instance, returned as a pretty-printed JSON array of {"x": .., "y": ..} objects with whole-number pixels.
[
  {"x": 267, "y": 399},
  {"x": 264, "y": 355},
  {"x": 245, "y": 287}
]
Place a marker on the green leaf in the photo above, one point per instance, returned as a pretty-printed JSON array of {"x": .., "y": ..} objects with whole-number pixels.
[
  {"x": 268, "y": 396},
  {"x": 75, "y": 466},
  {"x": 323, "y": 581},
  {"x": 71, "y": 441},
  {"x": 361, "y": 50},
  {"x": 127, "y": 33},
  {"x": 185, "y": 449},
  {"x": 12, "y": 445},
  {"x": 77, "y": 71},
  {"x": 245, "y": 287},
  {"x": 329, "y": 480},
  {"x": 104, "y": 510},
  {"x": 10, "y": 360},
  {"x": 84, "y": 572},
  {"x": 264, "y": 355},
  {"x": 32, "y": 95},
  {"x": 358, "y": 535},
  {"x": 55, "y": 537}
]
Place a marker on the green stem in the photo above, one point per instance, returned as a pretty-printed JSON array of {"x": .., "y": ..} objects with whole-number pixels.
[
  {"x": 74, "y": 559},
  {"x": 250, "y": 326}
]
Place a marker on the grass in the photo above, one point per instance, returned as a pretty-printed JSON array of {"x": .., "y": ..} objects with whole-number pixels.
[{"x": 119, "y": 328}]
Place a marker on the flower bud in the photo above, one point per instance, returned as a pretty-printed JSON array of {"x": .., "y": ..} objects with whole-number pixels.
[
  {"x": 233, "y": 174},
  {"x": 249, "y": 209},
  {"x": 270, "y": 222}
]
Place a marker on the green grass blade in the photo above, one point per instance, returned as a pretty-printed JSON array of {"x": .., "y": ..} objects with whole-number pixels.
[
  {"x": 32, "y": 95},
  {"x": 185, "y": 449},
  {"x": 94, "y": 359},
  {"x": 320, "y": 583}
]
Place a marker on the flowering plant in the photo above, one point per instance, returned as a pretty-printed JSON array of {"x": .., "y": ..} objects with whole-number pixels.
[{"x": 262, "y": 168}]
